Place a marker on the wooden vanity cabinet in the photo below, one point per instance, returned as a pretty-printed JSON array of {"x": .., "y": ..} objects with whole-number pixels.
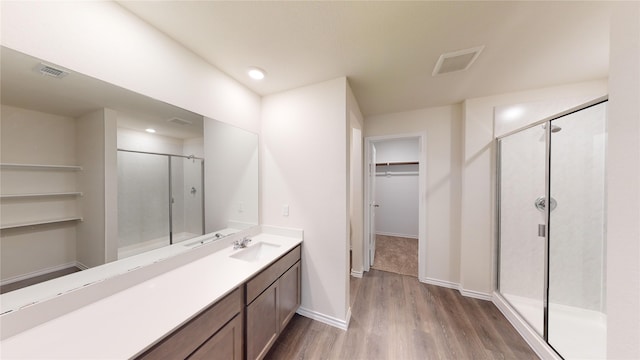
[
  {"x": 273, "y": 296},
  {"x": 215, "y": 333},
  {"x": 226, "y": 344},
  {"x": 288, "y": 295},
  {"x": 244, "y": 324}
]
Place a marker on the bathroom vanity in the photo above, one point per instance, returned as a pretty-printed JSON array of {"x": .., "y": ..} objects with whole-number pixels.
[
  {"x": 229, "y": 304},
  {"x": 265, "y": 304}
]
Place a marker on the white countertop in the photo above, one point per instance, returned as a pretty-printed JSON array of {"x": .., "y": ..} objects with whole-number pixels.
[{"x": 122, "y": 325}]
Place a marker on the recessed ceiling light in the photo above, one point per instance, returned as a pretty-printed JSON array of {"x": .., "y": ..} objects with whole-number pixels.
[
  {"x": 256, "y": 73},
  {"x": 150, "y": 130}
]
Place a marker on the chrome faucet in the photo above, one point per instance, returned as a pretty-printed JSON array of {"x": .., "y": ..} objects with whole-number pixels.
[{"x": 241, "y": 244}]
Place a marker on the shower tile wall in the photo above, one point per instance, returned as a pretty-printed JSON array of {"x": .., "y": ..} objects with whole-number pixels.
[
  {"x": 522, "y": 181},
  {"x": 143, "y": 205}
]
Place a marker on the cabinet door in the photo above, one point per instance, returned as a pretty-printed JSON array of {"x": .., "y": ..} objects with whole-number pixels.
[
  {"x": 262, "y": 323},
  {"x": 193, "y": 334},
  {"x": 288, "y": 295},
  {"x": 226, "y": 344}
]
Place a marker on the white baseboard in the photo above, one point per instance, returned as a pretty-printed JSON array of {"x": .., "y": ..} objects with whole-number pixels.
[
  {"x": 37, "y": 273},
  {"x": 456, "y": 286},
  {"x": 409, "y": 236},
  {"x": 357, "y": 274},
  {"x": 530, "y": 336},
  {"x": 441, "y": 283},
  {"x": 475, "y": 294},
  {"x": 325, "y": 319}
]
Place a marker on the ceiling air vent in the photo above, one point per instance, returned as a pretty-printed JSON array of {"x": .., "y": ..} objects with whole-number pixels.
[
  {"x": 179, "y": 121},
  {"x": 456, "y": 61},
  {"x": 49, "y": 70}
]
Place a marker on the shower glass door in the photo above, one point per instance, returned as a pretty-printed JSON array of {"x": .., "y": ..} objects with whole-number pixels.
[
  {"x": 187, "y": 198},
  {"x": 577, "y": 317},
  {"x": 143, "y": 202},
  {"x": 522, "y": 250},
  {"x": 160, "y": 200},
  {"x": 554, "y": 276}
]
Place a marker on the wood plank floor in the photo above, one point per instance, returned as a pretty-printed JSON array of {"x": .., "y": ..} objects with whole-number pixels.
[{"x": 396, "y": 317}]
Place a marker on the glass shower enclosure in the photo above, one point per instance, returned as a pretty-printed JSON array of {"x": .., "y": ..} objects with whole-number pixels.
[
  {"x": 160, "y": 200},
  {"x": 551, "y": 221}
]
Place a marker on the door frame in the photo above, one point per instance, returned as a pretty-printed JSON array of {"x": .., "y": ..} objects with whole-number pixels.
[{"x": 422, "y": 193}]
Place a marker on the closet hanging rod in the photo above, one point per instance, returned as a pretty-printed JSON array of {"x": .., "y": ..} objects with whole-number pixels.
[
  {"x": 398, "y": 163},
  {"x": 397, "y": 173}
]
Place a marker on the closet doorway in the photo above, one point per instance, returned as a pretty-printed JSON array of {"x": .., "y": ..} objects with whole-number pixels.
[{"x": 394, "y": 204}]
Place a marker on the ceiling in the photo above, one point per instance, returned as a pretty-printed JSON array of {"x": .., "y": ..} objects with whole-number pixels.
[
  {"x": 388, "y": 49},
  {"x": 76, "y": 95}
]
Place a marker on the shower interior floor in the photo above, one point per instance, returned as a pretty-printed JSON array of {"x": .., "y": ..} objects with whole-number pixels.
[{"x": 574, "y": 333}]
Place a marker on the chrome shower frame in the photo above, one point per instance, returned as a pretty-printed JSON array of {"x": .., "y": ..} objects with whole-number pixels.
[
  {"x": 549, "y": 129},
  {"x": 169, "y": 156}
]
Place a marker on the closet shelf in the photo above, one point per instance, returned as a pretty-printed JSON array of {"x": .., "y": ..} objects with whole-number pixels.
[
  {"x": 36, "y": 195},
  {"x": 40, "y": 167},
  {"x": 42, "y": 222},
  {"x": 398, "y": 163},
  {"x": 397, "y": 173}
]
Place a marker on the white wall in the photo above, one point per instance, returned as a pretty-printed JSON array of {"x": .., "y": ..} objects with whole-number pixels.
[
  {"x": 397, "y": 150},
  {"x": 397, "y": 195},
  {"x": 356, "y": 186},
  {"x": 103, "y": 40},
  {"x": 477, "y": 255},
  {"x": 143, "y": 141},
  {"x": 443, "y": 142},
  {"x": 304, "y": 165},
  {"x": 623, "y": 186},
  {"x": 96, "y": 137}
]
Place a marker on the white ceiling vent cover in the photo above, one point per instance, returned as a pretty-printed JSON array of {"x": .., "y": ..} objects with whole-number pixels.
[
  {"x": 179, "y": 121},
  {"x": 49, "y": 70},
  {"x": 456, "y": 61}
]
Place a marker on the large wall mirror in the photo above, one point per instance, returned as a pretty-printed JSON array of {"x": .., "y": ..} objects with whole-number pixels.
[{"x": 96, "y": 180}]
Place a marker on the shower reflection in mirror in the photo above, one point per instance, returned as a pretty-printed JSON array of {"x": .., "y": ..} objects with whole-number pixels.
[{"x": 160, "y": 200}]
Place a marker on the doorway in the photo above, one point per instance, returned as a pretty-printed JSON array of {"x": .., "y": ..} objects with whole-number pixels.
[{"x": 395, "y": 208}]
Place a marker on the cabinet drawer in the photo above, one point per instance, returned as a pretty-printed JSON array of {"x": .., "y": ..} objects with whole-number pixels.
[
  {"x": 190, "y": 336},
  {"x": 260, "y": 282}
]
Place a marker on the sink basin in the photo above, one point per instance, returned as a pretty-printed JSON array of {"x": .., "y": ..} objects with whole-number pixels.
[{"x": 256, "y": 252}]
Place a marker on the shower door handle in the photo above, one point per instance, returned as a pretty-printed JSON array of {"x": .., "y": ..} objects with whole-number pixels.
[{"x": 542, "y": 230}]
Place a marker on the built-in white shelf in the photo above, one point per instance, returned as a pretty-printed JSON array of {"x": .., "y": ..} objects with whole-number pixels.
[
  {"x": 38, "y": 195},
  {"x": 42, "y": 222},
  {"x": 40, "y": 167}
]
